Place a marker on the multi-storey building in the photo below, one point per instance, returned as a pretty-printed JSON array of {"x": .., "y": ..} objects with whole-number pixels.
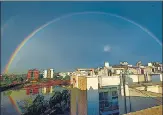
[
  {"x": 106, "y": 95},
  {"x": 33, "y": 74},
  {"x": 97, "y": 94},
  {"x": 48, "y": 73}
]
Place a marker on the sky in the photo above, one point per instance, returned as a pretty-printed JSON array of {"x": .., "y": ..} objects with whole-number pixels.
[{"x": 81, "y": 40}]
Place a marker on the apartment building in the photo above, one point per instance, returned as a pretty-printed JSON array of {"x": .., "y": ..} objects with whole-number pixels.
[
  {"x": 33, "y": 74},
  {"x": 97, "y": 95},
  {"x": 48, "y": 73}
]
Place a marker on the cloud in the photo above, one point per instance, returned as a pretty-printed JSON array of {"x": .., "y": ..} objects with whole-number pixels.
[{"x": 107, "y": 48}]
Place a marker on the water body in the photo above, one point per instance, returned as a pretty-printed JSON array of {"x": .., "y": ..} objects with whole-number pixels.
[{"x": 33, "y": 99}]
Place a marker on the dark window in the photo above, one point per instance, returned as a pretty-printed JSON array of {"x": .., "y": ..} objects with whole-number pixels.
[
  {"x": 101, "y": 104},
  {"x": 106, "y": 95},
  {"x": 101, "y": 96},
  {"x": 106, "y": 104},
  {"x": 116, "y": 113},
  {"x": 116, "y": 97},
  {"x": 114, "y": 93}
]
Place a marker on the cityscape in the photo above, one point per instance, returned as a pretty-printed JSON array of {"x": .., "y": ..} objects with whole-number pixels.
[
  {"x": 81, "y": 58},
  {"x": 109, "y": 89}
]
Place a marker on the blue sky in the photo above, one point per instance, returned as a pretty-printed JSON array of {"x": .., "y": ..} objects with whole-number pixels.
[{"x": 79, "y": 40}]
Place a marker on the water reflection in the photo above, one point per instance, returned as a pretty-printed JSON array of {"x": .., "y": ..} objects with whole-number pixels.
[{"x": 50, "y": 100}]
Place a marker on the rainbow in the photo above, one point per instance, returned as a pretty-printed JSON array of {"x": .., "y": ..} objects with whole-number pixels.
[
  {"x": 69, "y": 15},
  {"x": 15, "y": 105}
]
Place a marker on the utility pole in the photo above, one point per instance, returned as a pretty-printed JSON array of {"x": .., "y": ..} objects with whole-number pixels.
[
  {"x": 124, "y": 91},
  {"x": 123, "y": 82}
]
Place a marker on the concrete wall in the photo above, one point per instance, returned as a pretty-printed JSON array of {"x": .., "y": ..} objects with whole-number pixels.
[
  {"x": 109, "y": 80},
  {"x": 74, "y": 81},
  {"x": 132, "y": 79},
  {"x": 149, "y": 78},
  {"x": 140, "y": 101},
  {"x": 136, "y": 78},
  {"x": 156, "y": 78},
  {"x": 82, "y": 102},
  {"x": 82, "y": 83},
  {"x": 161, "y": 77},
  {"x": 133, "y": 70},
  {"x": 92, "y": 96},
  {"x": 148, "y": 69},
  {"x": 140, "y": 88},
  {"x": 74, "y": 101},
  {"x": 160, "y": 89},
  {"x": 141, "y": 78},
  {"x": 122, "y": 100},
  {"x": 118, "y": 71},
  {"x": 155, "y": 89}
]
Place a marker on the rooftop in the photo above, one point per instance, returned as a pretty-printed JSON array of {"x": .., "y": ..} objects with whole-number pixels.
[
  {"x": 157, "y": 110},
  {"x": 145, "y": 84}
]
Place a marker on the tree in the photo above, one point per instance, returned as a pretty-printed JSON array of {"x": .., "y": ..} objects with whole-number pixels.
[
  {"x": 67, "y": 77},
  {"x": 57, "y": 104}
]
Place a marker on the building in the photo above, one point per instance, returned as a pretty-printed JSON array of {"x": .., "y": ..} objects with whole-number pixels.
[
  {"x": 157, "y": 110},
  {"x": 124, "y": 63},
  {"x": 98, "y": 95},
  {"x": 45, "y": 74},
  {"x": 62, "y": 74},
  {"x": 48, "y": 73},
  {"x": 106, "y": 64},
  {"x": 33, "y": 74},
  {"x": 155, "y": 67},
  {"x": 107, "y": 95},
  {"x": 156, "y": 78}
]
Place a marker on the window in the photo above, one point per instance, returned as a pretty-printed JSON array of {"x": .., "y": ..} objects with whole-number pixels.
[
  {"x": 109, "y": 100},
  {"x": 105, "y": 95},
  {"x": 101, "y": 96},
  {"x": 107, "y": 104},
  {"x": 114, "y": 93},
  {"x": 116, "y": 113},
  {"x": 102, "y": 104},
  {"x": 116, "y": 98}
]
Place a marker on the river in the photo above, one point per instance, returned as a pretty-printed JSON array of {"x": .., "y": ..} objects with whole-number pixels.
[{"x": 18, "y": 101}]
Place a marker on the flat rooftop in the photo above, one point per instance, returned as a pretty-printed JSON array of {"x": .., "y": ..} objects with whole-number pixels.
[
  {"x": 157, "y": 110},
  {"x": 145, "y": 84}
]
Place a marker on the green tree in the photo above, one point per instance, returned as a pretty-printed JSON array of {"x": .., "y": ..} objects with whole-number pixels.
[
  {"x": 67, "y": 77},
  {"x": 57, "y": 104}
]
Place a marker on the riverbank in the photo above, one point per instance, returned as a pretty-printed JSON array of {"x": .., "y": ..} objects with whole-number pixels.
[
  {"x": 48, "y": 83},
  {"x": 38, "y": 84},
  {"x": 5, "y": 88}
]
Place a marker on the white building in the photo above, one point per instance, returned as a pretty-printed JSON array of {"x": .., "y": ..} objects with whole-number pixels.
[
  {"x": 52, "y": 73},
  {"x": 93, "y": 95},
  {"x": 48, "y": 73},
  {"x": 45, "y": 73},
  {"x": 106, "y": 64},
  {"x": 150, "y": 64}
]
